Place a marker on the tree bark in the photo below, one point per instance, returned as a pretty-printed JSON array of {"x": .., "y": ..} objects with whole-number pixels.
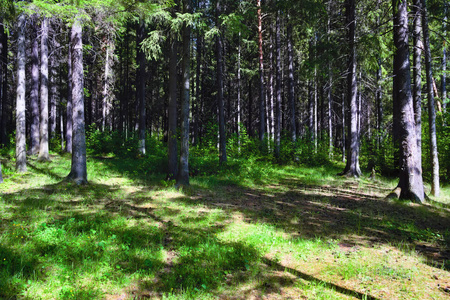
[
  {"x": 43, "y": 145},
  {"x": 431, "y": 109},
  {"x": 69, "y": 122},
  {"x": 21, "y": 156},
  {"x": 352, "y": 166},
  {"x": 278, "y": 87},
  {"x": 417, "y": 74},
  {"x": 172, "y": 111},
  {"x": 3, "y": 82},
  {"x": 34, "y": 93},
  {"x": 222, "y": 137},
  {"x": 78, "y": 172},
  {"x": 140, "y": 85},
  {"x": 291, "y": 92},
  {"x": 183, "y": 174},
  {"x": 262, "y": 93},
  {"x": 410, "y": 176}
]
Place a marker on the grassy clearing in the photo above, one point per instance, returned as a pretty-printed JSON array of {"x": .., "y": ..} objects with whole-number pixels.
[{"x": 250, "y": 231}]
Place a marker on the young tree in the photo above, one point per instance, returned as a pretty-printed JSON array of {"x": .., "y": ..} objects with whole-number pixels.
[
  {"x": 410, "y": 184},
  {"x": 21, "y": 156},
  {"x": 78, "y": 172}
]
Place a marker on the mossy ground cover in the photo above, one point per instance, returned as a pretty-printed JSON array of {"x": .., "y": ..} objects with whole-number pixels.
[{"x": 251, "y": 230}]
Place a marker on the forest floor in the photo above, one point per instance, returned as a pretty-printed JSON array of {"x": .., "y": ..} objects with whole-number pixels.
[{"x": 261, "y": 232}]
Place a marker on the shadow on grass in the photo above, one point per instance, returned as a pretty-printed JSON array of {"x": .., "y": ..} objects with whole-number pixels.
[{"x": 99, "y": 232}]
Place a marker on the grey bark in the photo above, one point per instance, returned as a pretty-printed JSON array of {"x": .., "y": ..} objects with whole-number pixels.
[
  {"x": 69, "y": 122},
  {"x": 417, "y": 74},
  {"x": 78, "y": 172},
  {"x": 431, "y": 109},
  {"x": 172, "y": 111},
  {"x": 352, "y": 165},
  {"x": 262, "y": 93},
  {"x": 278, "y": 87},
  {"x": 183, "y": 174},
  {"x": 34, "y": 93},
  {"x": 291, "y": 92},
  {"x": 43, "y": 129},
  {"x": 140, "y": 86},
  {"x": 222, "y": 137},
  {"x": 410, "y": 184},
  {"x": 21, "y": 157},
  {"x": 3, "y": 83}
]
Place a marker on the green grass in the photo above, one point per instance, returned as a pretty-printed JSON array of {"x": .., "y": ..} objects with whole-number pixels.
[{"x": 248, "y": 229}]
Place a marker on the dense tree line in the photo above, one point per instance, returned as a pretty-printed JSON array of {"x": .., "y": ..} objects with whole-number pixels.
[{"x": 303, "y": 80}]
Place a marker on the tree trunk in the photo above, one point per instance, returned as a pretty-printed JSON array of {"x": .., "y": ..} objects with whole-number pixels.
[
  {"x": 444, "y": 60},
  {"x": 183, "y": 174},
  {"x": 352, "y": 166},
  {"x": 140, "y": 85},
  {"x": 43, "y": 145},
  {"x": 410, "y": 181},
  {"x": 262, "y": 122},
  {"x": 4, "y": 83},
  {"x": 278, "y": 88},
  {"x": 291, "y": 93},
  {"x": 21, "y": 156},
  {"x": 197, "y": 88},
  {"x": 222, "y": 137},
  {"x": 431, "y": 110},
  {"x": 53, "y": 90},
  {"x": 78, "y": 172},
  {"x": 34, "y": 93},
  {"x": 172, "y": 111},
  {"x": 69, "y": 122},
  {"x": 238, "y": 112},
  {"x": 417, "y": 74}
]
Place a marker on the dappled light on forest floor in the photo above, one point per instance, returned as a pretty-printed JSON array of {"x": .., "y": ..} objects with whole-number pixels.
[{"x": 123, "y": 238}]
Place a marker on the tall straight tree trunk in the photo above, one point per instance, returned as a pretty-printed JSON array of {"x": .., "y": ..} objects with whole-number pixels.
[
  {"x": 197, "y": 88},
  {"x": 106, "y": 88},
  {"x": 410, "y": 184},
  {"x": 278, "y": 87},
  {"x": 2, "y": 78},
  {"x": 329, "y": 89},
  {"x": 271, "y": 88},
  {"x": 3, "y": 82},
  {"x": 344, "y": 146},
  {"x": 140, "y": 85},
  {"x": 417, "y": 74},
  {"x": 34, "y": 93},
  {"x": 53, "y": 90},
  {"x": 183, "y": 174},
  {"x": 78, "y": 172},
  {"x": 21, "y": 156},
  {"x": 431, "y": 110},
  {"x": 352, "y": 166},
  {"x": 291, "y": 93},
  {"x": 43, "y": 145},
  {"x": 444, "y": 59},
  {"x": 262, "y": 93},
  {"x": 172, "y": 111},
  {"x": 238, "y": 109},
  {"x": 69, "y": 122},
  {"x": 222, "y": 138}
]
